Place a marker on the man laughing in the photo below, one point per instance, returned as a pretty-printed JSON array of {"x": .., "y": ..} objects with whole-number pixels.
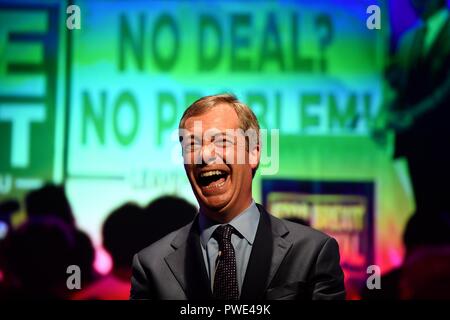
[{"x": 233, "y": 249}]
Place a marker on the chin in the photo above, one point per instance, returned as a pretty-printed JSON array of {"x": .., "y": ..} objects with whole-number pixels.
[{"x": 217, "y": 205}]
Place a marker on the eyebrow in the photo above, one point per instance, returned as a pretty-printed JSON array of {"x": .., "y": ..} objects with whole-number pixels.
[{"x": 189, "y": 137}]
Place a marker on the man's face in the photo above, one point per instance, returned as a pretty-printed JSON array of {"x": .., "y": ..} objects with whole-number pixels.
[{"x": 217, "y": 163}]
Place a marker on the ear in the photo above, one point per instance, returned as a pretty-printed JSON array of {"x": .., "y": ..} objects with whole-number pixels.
[{"x": 254, "y": 157}]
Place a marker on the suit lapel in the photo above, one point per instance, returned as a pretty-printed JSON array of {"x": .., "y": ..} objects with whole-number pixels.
[
  {"x": 269, "y": 250},
  {"x": 187, "y": 263},
  {"x": 281, "y": 248}
]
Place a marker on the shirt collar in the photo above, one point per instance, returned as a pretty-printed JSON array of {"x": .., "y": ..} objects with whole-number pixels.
[{"x": 246, "y": 223}]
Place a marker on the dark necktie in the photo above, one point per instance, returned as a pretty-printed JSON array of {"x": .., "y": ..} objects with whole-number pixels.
[{"x": 225, "y": 279}]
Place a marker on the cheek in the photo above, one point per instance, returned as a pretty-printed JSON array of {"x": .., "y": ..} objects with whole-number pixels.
[
  {"x": 226, "y": 154},
  {"x": 234, "y": 155},
  {"x": 187, "y": 160},
  {"x": 192, "y": 158},
  {"x": 240, "y": 174},
  {"x": 189, "y": 171}
]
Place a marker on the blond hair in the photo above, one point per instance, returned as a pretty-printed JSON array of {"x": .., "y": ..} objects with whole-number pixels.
[{"x": 246, "y": 116}]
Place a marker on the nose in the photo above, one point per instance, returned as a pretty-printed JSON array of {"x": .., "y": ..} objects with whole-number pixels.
[{"x": 208, "y": 153}]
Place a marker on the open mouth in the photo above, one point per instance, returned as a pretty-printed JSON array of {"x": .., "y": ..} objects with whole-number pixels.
[{"x": 212, "y": 179}]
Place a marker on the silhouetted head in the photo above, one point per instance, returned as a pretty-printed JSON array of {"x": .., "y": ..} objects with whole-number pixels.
[
  {"x": 125, "y": 232},
  {"x": 427, "y": 230},
  {"x": 426, "y": 8},
  {"x": 36, "y": 257},
  {"x": 49, "y": 200},
  {"x": 84, "y": 256},
  {"x": 169, "y": 213},
  {"x": 424, "y": 272}
]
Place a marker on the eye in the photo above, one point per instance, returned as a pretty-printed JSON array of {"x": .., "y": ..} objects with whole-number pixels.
[{"x": 192, "y": 146}]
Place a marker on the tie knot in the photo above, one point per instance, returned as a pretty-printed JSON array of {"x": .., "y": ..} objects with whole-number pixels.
[{"x": 223, "y": 233}]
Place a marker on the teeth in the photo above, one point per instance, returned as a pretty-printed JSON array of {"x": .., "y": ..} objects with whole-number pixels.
[
  {"x": 217, "y": 185},
  {"x": 211, "y": 173}
]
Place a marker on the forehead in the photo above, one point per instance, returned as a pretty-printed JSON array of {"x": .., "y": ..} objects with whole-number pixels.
[{"x": 221, "y": 117}]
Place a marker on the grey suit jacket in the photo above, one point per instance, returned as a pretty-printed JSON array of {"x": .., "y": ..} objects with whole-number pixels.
[{"x": 288, "y": 261}]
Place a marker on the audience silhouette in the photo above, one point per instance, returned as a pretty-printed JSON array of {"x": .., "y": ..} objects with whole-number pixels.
[
  {"x": 424, "y": 272},
  {"x": 127, "y": 230}
]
